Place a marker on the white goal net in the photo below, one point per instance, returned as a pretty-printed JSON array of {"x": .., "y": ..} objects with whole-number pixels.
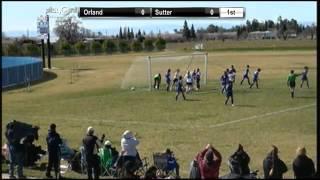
[{"x": 141, "y": 72}]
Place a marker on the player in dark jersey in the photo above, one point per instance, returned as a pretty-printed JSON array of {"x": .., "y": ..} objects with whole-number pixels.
[
  {"x": 198, "y": 76},
  {"x": 256, "y": 78},
  {"x": 223, "y": 81},
  {"x": 292, "y": 82},
  {"x": 233, "y": 74},
  {"x": 168, "y": 79},
  {"x": 175, "y": 77},
  {"x": 179, "y": 88},
  {"x": 229, "y": 93},
  {"x": 305, "y": 77},
  {"x": 246, "y": 75}
]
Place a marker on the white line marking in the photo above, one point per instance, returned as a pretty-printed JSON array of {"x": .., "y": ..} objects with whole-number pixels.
[
  {"x": 263, "y": 115},
  {"x": 170, "y": 125}
]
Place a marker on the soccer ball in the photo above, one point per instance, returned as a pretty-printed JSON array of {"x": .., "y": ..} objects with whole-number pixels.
[{"x": 133, "y": 88}]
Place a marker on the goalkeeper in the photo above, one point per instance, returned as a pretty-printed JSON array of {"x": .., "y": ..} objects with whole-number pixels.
[
  {"x": 292, "y": 82},
  {"x": 157, "y": 81}
]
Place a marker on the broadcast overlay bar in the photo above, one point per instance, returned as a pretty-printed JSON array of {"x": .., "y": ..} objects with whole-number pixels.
[{"x": 161, "y": 12}]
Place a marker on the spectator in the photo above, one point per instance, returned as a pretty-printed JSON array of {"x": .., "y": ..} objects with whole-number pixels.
[
  {"x": 172, "y": 163},
  {"x": 239, "y": 162},
  {"x": 129, "y": 150},
  {"x": 209, "y": 161},
  {"x": 273, "y": 166},
  {"x": 303, "y": 166},
  {"x": 16, "y": 152},
  {"x": 151, "y": 173},
  {"x": 114, "y": 153},
  {"x": 91, "y": 144},
  {"x": 53, "y": 142}
]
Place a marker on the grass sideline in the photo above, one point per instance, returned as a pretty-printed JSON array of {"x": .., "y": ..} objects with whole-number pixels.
[{"x": 160, "y": 122}]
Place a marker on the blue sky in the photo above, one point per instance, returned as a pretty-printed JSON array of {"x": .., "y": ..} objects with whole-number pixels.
[{"x": 21, "y": 16}]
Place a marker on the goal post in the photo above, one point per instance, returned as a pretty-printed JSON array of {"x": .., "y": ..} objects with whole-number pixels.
[{"x": 187, "y": 62}]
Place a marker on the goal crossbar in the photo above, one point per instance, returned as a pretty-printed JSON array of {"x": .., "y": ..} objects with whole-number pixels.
[{"x": 204, "y": 54}]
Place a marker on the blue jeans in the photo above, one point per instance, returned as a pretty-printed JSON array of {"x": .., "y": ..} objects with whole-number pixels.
[{"x": 15, "y": 158}]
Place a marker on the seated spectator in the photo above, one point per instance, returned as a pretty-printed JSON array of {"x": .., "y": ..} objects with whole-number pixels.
[
  {"x": 273, "y": 166},
  {"x": 172, "y": 163},
  {"x": 209, "y": 161},
  {"x": 108, "y": 154},
  {"x": 239, "y": 162},
  {"x": 151, "y": 173},
  {"x": 303, "y": 166}
]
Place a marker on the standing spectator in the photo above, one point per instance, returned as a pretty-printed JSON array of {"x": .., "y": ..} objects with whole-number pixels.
[
  {"x": 129, "y": 149},
  {"x": 198, "y": 76},
  {"x": 303, "y": 166},
  {"x": 53, "y": 142},
  {"x": 273, "y": 166},
  {"x": 91, "y": 144},
  {"x": 16, "y": 152},
  {"x": 209, "y": 161}
]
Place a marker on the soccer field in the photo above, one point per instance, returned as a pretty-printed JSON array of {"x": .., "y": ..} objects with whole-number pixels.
[{"x": 261, "y": 117}]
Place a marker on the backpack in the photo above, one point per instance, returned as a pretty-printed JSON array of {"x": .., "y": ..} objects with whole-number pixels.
[{"x": 194, "y": 170}]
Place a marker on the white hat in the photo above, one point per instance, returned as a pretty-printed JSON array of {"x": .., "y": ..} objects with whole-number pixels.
[
  {"x": 90, "y": 130},
  {"x": 107, "y": 143},
  {"x": 127, "y": 134}
]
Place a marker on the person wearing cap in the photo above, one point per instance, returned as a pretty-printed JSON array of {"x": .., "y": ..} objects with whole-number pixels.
[
  {"x": 273, "y": 166},
  {"x": 209, "y": 161},
  {"x": 303, "y": 166},
  {"x": 53, "y": 142},
  {"x": 172, "y": 163},
  {"x": 129, "y": 147},
  {"x": 114, "y": 153},
  {"x": 91, "y": 144}
]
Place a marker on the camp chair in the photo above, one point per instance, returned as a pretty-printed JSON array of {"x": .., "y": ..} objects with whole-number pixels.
[
  {"x": 106, "y": 162},
  {"x": 160, "y": 161}
]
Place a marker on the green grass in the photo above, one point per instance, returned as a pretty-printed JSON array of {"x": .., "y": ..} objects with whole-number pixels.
[
  {"x": 247, "y": 45},
  {"x": 95, "y": 99}
]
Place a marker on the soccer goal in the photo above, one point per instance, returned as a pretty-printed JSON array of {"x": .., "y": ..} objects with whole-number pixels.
[{"x": 141, "y": 72}]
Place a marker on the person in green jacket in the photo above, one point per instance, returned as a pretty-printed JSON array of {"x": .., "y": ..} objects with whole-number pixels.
[{"x": 292, "y": 82}]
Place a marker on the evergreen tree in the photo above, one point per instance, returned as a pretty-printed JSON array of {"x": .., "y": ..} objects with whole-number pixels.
[
  {"x": 192, "y": 32},
  {"x": 120, "y": 33},
  {"x": 186, "y": 31}
]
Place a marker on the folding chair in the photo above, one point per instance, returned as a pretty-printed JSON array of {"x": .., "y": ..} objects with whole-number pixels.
[
  {"x": 107, "y": 168},
  {"x": 160, "y": 161}
]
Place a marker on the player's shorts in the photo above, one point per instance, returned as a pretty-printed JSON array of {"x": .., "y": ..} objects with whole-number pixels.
[
  {"x": 189, "y": 83},
  {"x": 228, "y": 94},
  {"x": 179, "y": 90},
  {"x": 304, "y": 78},
  {"x": 292, "y": 84},
  {"x": 245, "y": 77},
  {"x": 175, "y": 80},
  {"x": 168, "y": 81}
]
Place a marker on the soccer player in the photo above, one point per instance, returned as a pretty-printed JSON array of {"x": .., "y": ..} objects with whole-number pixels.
[
  {"x": 292, "y": 82},
  {"x": 246, "y": 75},
  {"x": 157, "y": 81},
  {"x": 233, "y": 73},
  {"x": 305, "y": 77},
  {"x": 175, "y": 77},
  {"x": 189, "y": 81},
  {"x": 194, "y": 77},
  {"x": 223, "y": 81},
  {"x": 179, "y": 88},
  {"x": 198, "y": 76},
  {"x": 256, "y": 78},
  {"x": 229, "y": 93},
  {"x": 168, "y": 79}
]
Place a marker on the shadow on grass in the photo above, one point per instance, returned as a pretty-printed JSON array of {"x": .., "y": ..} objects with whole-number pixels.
[
  {"x": 306, "y": 97},
  {"x": 193, "y": 100},
  {"x": 246, "y": 105},
  {"x": 47, "y": 76}
]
